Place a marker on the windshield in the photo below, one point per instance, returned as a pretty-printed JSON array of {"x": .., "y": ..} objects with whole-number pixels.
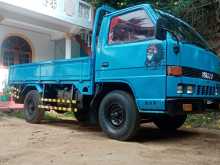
[{"x": 183, "y": 31}]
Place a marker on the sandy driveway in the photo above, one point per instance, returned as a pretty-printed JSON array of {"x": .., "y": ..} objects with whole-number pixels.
[{"x": 63, "y": 143}]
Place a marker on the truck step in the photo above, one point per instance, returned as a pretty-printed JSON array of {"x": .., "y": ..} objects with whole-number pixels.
[
  {"x": 56, "y": 108},
  {"x": 49, "y": 100}
]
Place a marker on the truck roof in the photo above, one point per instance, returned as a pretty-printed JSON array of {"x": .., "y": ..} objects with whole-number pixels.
[{"x": 129, "y": 8}]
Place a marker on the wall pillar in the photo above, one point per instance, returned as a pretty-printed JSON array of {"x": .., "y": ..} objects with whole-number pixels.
[{"x": 68, "y": 46}]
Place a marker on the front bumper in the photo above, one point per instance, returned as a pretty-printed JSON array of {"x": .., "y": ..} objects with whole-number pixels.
[{"x": 178, "y": 106}]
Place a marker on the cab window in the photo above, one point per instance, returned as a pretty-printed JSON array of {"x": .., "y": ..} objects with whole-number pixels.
[{"x": 130, "y": 27}]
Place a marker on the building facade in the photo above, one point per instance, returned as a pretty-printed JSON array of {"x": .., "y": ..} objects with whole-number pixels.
[{"x": 32, "y": 31}]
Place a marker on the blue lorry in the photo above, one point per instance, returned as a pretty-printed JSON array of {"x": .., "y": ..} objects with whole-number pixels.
[{"x": 146, "y": 65}]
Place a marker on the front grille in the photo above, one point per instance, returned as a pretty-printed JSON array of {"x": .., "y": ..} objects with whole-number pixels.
[{"x": 206, "y": 90}]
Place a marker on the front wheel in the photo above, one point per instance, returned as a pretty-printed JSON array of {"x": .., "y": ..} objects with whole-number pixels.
[
  {"x": 33, "y": 114},
  {"x": 118, "y": 115},
  {"x": 169, "y": 123}
]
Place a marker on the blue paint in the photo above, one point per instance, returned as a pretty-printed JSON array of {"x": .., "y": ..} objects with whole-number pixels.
[{"x": 128, "y": 63}]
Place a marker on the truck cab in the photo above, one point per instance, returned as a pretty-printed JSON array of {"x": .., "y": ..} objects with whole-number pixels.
[
  {"x": 145, "y": 64},
  {"x": 166, "y": 62}
]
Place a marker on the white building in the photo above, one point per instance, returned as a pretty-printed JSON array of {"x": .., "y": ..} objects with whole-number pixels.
[{"x": 37, "y": 30}]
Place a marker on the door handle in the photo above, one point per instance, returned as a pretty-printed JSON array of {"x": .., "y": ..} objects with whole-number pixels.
[{"x": 105, "y": 64}]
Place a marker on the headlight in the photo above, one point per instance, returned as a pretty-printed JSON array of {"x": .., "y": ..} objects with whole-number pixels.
[
  {"x": 216, "y": 91},
  {"x": 179, "y": 89},
  {"x": 189, "y": 89}
]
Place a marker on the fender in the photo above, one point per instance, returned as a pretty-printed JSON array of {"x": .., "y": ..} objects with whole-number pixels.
[
  {"x": 26, "y": 88},
  {"x": 102, "y": 88},
  {"x": 38, "y": 87}
]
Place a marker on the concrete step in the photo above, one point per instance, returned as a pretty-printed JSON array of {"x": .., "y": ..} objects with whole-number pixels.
[{"x": 4, "y": 106}]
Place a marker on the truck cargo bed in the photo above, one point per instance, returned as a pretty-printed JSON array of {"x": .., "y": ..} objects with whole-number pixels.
[{"x": 57, "y": 71}]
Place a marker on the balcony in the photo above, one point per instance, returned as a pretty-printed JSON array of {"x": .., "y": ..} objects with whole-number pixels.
[{"x": 68, "y": 16}]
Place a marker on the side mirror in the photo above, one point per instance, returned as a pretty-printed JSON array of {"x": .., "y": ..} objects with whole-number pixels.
[
  {"x": 161, "y": 32},
  {"x": 176, "y": 48}
]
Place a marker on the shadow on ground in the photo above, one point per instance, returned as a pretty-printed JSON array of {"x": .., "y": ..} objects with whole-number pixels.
[{"x": 147, "y": 132}]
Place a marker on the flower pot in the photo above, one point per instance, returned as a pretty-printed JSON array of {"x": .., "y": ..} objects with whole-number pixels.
[{"x": 4, "y": 98}]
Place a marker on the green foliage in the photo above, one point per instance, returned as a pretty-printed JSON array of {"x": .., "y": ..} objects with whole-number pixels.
[
  {"x": 209, "y": 120},
  {"x": 7, "y": 91},
  {"x": 200, "y": 14},
  {"x": 174, "y": 6}
]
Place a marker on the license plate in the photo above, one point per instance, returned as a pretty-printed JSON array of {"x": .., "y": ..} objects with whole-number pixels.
[{"x": 187, "y": 107}]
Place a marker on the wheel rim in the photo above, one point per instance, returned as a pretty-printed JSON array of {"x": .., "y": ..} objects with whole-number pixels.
[
  {"x": 31, "y": 107},
  {"x": 116, "y": 115}
]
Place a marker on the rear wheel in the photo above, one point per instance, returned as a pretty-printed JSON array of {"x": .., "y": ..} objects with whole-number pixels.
[
  {"x": 170, "y": 123},
  {"x": 32, "y": 113},
  {"x": 118, "y": 115}
]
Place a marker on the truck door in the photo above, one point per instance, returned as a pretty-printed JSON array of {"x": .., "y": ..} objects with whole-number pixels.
[{"x": 130, "y": 53}]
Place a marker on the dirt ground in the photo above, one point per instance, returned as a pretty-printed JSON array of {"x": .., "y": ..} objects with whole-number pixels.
[{"x": 68, "y": 142}]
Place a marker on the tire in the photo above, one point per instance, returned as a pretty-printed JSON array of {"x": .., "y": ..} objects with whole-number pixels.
[
  {"x": 169, "y": 123},
  {"x": 32, "y": 113},
  {"x": 118, "y": 115}
]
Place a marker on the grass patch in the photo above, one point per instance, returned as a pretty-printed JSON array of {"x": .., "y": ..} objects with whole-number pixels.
[
  {"x": 2, "y": 114},
  {"x": 48, "y": 115},
  {"x": 209, "y": 120},
  {"x": 17, "y": 114},
  {"x": 56, "y": 116}
]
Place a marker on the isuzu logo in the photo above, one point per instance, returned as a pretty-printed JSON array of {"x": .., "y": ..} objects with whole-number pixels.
[{"x": 207, "y": 75}]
